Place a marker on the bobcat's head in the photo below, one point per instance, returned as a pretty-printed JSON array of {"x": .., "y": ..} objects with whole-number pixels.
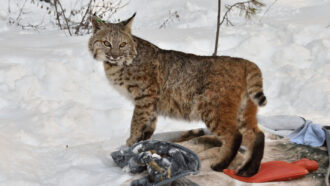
[{"x": 112, "y": 42}]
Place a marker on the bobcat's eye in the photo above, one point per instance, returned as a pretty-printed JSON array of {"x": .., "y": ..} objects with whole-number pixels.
[
  {"x": 122, "y": 44},
  {"x": 107, "y": 43}
]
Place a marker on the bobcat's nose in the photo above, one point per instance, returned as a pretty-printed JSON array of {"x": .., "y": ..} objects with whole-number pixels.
[
  {"x": 112, "y": 56},
  {"x": 115, "y": 57}
]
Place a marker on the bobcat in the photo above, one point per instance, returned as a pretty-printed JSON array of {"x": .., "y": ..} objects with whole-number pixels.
[{"x": 224, "y": 92}]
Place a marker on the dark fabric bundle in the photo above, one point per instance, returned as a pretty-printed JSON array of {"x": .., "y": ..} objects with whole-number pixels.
[{"x": 163, "y": 161}]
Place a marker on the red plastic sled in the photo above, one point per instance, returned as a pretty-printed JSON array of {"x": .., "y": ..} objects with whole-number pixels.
[{"x": 278, "y": 171}]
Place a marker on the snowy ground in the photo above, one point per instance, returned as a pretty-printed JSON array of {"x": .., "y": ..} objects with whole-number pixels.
[{"x": 60, "y": 119}]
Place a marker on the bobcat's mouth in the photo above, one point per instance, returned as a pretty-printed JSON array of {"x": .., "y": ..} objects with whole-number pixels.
[
  {"x": 121, "y": 60},
  {"x": 112, "y": 59},
  {"x": 111, "y": 62}
]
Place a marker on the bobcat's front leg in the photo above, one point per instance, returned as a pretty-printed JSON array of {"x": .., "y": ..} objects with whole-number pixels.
[{"x": 143, "y": 123}]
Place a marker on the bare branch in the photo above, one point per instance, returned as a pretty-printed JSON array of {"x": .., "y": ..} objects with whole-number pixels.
[
  {"x": 268, "y": 9},
  {"x": 83, "y": 18},
  {"x": 65, "y": 19},
  {"x": 20, "y": 11},
  {"x": 229, "y": 8},
  {"x": 75, "y": 20},
  {"x": 171, "y": 17},
  {"x": 249, "y": 8},
  {"x": 9, "y": 10},
  {"x": 57, "y": 14},
  {"x": 218, "y": 29}
]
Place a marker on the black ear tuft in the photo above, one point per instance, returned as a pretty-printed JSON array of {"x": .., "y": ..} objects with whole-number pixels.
[
  {"x": 129, "y": 20},
  {"x": 128, "y": 23}
]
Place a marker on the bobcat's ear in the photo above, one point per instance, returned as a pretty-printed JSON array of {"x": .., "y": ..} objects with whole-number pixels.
[
  {"x": 97, "y": 23},
  {"x": 128, "y": 23}
]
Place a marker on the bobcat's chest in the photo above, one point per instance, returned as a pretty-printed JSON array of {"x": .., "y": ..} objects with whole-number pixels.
[
  {"x": 122, "y": 90},
  {"x": 116, "y": 77}
]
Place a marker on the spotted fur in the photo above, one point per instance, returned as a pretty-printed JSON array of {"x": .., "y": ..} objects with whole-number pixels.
[{"x": 224, "y": 92}]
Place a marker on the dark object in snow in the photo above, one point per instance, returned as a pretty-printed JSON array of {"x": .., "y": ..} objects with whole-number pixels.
[
  {"x": 163, "y": 161},
  {"x": 327, "y": 133}
]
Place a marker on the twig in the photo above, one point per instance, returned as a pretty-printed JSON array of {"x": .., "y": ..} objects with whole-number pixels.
[
  {"x": 270, "y": 6},
  {"x": 20, "y": 12},
  {"x": 250, "y": 9},
  {"x": 9, "y": 11},
  {"x": 225, "y": 17},
  {"x": 218, "y": 29},
  {"x": 83, "y": 18},
  {"x": 169, "y": 18},
  {"x": 63, "y": 14},
  {"x": 57, "y": 15},
  {"x": 34, "y": 27}
]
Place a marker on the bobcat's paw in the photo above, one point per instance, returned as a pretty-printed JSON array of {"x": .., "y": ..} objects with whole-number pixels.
[
  {"x": 130, "y": 141},
  {"x": 248, "y": 171},
  {"x": 218, "y": 167}
]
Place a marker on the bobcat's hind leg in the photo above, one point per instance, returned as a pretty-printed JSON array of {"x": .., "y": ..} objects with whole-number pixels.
[
  {"x": 190, "y": 134},
  {"x": 253, "y": 139},
  {"x": 231, "y": 141},
  {"x": 209, "y": 141},
  {"x": 222, "y": 123}
]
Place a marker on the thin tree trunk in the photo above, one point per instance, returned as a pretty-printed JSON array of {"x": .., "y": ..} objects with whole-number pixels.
[
  {"x": 83, "y": 18},
  {"x": 65, "y": 19},
  {"x": 57, "y": 15},
  {"x": 218, "y": 29}
]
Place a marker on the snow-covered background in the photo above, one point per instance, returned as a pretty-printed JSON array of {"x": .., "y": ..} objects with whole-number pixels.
[{"x": 60, "y": 119}]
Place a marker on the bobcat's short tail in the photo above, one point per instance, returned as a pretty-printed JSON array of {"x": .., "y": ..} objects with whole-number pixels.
[{"x": 254, "y": 84}]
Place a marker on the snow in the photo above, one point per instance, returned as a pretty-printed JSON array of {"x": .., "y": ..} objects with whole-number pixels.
[{"x": 60, "y": 119}]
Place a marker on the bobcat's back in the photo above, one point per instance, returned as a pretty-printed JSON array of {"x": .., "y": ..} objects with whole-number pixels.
[{"x": 190, "y": 81}]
